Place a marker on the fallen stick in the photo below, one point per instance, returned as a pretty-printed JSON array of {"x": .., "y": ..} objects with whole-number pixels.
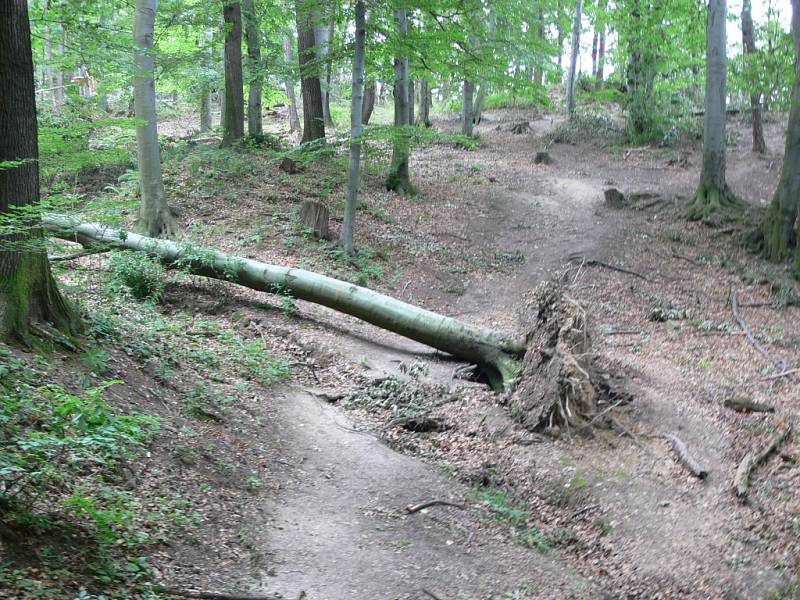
[
  {"x": 78, "y": 255},
  {"x": 430, "y": 594},
  {"x": 748, "y": 333},
  {"x": 598, "y": 263},
  {"x": 686, "y": 459},
  {"x": 783, "y": 374},
  {"x": 216, "y": 596},
  {"x": 754, "y": 458},
  {"x": 585, "y": 509},
  {"x": 413, "y": 508}
]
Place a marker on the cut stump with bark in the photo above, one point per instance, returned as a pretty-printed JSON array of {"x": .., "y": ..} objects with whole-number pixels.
[
  {"x": 543, "y": 158},
  {"x": 290, "y": 166},
  {"x": 520, "y": 128},
  {"x": 316, "y": 216},
  {"x": 614, "y": 198}
]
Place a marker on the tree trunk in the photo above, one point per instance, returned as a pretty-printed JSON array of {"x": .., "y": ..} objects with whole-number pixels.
[
  {"x": 255, "y": 124},
  {"x": 155, "y": 218},
  {"x": 205, "y": 111},
  {"x": 369, "y": 102},
  {"x": 412, "y": 100},
  {"x": 713, "y": 192},
  {"x": 399, "y": 179},
  {"x": 313, "y": 117},
  {"x": 497, "y": 353},
  {"x": 538, "y": 72},
  {"x": 749, "y": 44},
  {"x": 601, "y": 53},
  {"x": 780, "y": 227},
  {"x": 28, "y": 292},
  {"x": 323, "y": 36},
  {"x": 480, "y": 101},
  {"x": 466, "y": 108},
  {"x": 59, "y": 94},
  {"x": 424, "y": 114},
  {"x": 234, "y": 87},
  {"x": 594, "y": 53},
  {"x": 573, "y": 59},
  {"x": 356, "y": 129},
  {"x": 294, "y": 120}
]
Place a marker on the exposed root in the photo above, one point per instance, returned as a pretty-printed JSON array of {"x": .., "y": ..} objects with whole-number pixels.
[{"x": 713, "y": 202}]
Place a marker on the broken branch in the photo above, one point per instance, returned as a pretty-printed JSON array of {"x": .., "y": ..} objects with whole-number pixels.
[
  {"x": 754, "y": 458},
  {"x": 686, "y": 459},
  {"x": 413, "y": 508}
]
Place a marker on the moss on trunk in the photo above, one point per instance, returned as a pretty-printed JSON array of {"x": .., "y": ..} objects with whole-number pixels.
[{"x": 711, "y": 200}]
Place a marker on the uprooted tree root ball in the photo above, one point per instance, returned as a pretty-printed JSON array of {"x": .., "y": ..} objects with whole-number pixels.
[{"x": 561, "y": 384}]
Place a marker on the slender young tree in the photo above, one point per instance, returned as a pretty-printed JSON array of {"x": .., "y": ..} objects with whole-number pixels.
[
  {"x": 369, "y": 102},
  {"x": 313, "y": 117},
  {"x": 323, "y": 36},
  {"x": 155, "y": 217},
  {"x": 424, "y": 113},
  {"x": 466, "y": 107},
  {"x": 749, "y": 45},
  {"x": 233, "y": 122},
  {"x": 399, "y": 179},
  {"x": 28, "y": 292},
  {"x": 356, "y": 129},
  {"x": 601, "y": 46},
  {"x": 780, "y": 229},
  {"x": 713, "y": 192},
  {"x": 294, "y": 120},
  {"x": 255, "y": 124},
  {"x": 573, "y": 59}
]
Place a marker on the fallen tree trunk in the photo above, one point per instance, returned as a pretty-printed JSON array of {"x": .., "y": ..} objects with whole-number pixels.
[{"x": 496, "y": 353}]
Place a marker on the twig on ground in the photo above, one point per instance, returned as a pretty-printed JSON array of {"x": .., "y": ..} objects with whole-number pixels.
[
  {"x": 216, "y": 596},
  {"x": 413, "y": 508},
  {"x": 688, "y": 259},
  {"x": 79, "y": 254},
  {"x": 749, "y": 334},
  {"x": 598, "y": 263},
  {"x": 430, "y": 594},
  {"x": 782, "y": 374},
  {"x": 604, "y": 411},
  {"x": 755, "y": 457},
  {"x": 585, "y": 509},
  {"x": 686, "y": 459}
]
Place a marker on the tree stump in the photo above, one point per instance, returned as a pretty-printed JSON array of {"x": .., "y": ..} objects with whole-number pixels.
[
  {"x": 614, "y": 198},
  {"x": 290, "y": 166},
  {"x": 542, "y": 158},
  {"x": 520, "y": 128},
  {"x": 315, "y": 215}
]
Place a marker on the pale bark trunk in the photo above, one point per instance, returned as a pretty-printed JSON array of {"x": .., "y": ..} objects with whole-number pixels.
[
  {"x": 749, "y": 45},
  {"x": 59, "y": 94},
  {"x": 205, "y": 111},
  {"x": 323, "y": 36},
  {"x": 601, "y": 53},
  {"x": 155, "y": 218},
  {"x": 356, "y": 129},
  {"x": 313, "y": 117},
  {"x": 594, "y": 53},
  {"x": 399, "y": 179},
  {"x": 480, "y": 101},
  {"x": 412, "y": 99},
  {"x": 780, "y": 229},
  {"x": 294, "y": 120},
  {"x": 466, "y": 108},
  {"x": 497, "y": 353},
  {"x": 28, "y": 292},
  {"x": 573, "y": 60},
  {"x": 234, "y": 85},
  {"x": 255, "y": 124}
]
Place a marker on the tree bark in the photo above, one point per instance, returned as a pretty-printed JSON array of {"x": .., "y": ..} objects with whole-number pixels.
[
  {"x": 749, "y": 45},
  {"x": 498, "y": 354},
  {"x": 234, "y": 87},
  {"x": 28, "y": 292},
  {"x": 601, "y": 52},
  {"x": 466, "y": 108},
  {"x": 205, "y": 111},
  {"x": 255, "y": 125},
  {"x": 594, "y": 53},
  {"x": 155, "y": 217},
  {"x": 369, "y": 102},
  {"x": 323, "y": 36},
  {"x": 713, "y": 193},
  {"x": 399, "y": 179},
  {"x": 424, "y": 114},
  {"x": 313, "y": 117},
  {"x": 356, "y": 129},
  {"x": 294, "y": 120},
  {"x": 780, "y": 229},
  {"x": 573, "y": 60}
]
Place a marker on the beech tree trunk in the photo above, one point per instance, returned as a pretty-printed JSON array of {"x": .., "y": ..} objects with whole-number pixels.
[
  {"x": 781, "y": 230},
  {"x": 466, "y": 108},
  {"x": 28, "y": 292},
  {"x": 255, "y": 125},
  {"x": 356, "y": 129},
  {"x": 749, "y": 45},
  {"x": 233, "y": 124},
  {"x": 713, "y": 193},
  {"x": 498, "y": 354},
  {"x": 205, "y": 111},
  {"x": 323, "y": 35},
  {"x": 573, "y": 60},
  {"x": 594, "y": 53},
  {"x": 424, "y": 114},
  {"x": 369, "y": 102},
  {"x": 294, "y": 120},
  {"x": 399, "y": 179},
  {"x": 155, "y": 217},
  {"x": 601, "y": 51},
  {"x": 313, "y": 117}
]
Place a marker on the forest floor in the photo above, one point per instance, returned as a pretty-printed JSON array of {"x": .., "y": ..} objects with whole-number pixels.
[{"x": 301, "y": 486}]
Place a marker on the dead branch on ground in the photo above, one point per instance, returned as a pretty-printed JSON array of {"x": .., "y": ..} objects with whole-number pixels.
[
  {"x": 413, "y": 508},
  {"x": 735, "y": 309},
  {"x": 686, "y": 459},
  {"x": 754, "y": 458}
]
